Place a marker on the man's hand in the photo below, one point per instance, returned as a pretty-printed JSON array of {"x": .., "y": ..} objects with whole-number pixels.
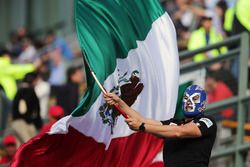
[
  {"x": 133, "y": 123},
  {"x": 111, "y": 98}
]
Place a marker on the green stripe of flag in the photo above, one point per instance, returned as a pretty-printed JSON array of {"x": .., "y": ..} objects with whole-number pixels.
[{"x": 108, "y": 30}]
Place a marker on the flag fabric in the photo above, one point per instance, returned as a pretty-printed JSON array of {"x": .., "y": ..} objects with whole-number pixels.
[{"x": 131, "y": 47}]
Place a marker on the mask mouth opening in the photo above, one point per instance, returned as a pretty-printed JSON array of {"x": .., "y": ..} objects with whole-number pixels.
[{"x": 189, "y": 108}]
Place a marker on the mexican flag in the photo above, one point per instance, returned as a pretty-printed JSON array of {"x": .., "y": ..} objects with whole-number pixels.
[{"x": 131, "y": 47}]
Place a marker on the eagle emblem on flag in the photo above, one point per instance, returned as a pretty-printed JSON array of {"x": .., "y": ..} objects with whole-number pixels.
[{"x": 128, "y": 89}]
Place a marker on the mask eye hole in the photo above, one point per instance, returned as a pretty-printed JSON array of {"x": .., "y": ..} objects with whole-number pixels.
[
  {"x": 185, "y": 97},
  {"x": 196, "y": 97}
]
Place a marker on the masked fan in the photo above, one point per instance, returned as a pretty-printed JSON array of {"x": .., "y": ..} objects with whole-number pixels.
[{"x": 188, "y": 142}]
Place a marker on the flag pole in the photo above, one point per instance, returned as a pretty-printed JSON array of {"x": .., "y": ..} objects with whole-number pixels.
[{"x": 103, "y": 89}]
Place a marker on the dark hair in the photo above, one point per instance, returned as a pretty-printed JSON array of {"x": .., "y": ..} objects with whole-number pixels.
[
  {"x": 225, "y": 76},
  {"x": 30, "y": 77},
  {"x": 216, "y": 75},
  {"x": 3, "y": 51},
  {"x": 206, "y": 18},
  {"x": 223, "y": 5},
  {"x": 71, "y": 71}
]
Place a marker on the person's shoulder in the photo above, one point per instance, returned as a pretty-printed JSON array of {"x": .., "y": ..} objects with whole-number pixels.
[
  {"x": 198, "y": 31},
  {"x": 207, "y": 119},
  {"x": 207, "y": 116}
]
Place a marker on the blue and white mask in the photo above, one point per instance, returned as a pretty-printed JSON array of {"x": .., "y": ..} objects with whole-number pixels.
[{"x": 194, "y": 101}]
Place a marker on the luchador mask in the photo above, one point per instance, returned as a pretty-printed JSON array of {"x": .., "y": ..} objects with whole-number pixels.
[{"x": 194, "y": 101}]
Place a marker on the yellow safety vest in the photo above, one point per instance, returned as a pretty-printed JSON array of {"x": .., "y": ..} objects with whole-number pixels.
[
  {"x": 9, "y": 73},
  {"x": 243, "y": 13},
  {"x": 198, "y": 40},
  {"x": 229, "y": 18}
]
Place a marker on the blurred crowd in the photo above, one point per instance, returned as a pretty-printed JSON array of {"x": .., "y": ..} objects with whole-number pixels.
[
  {"x": 40, "y": 83},
  {"x": 203, "y": 22},
  {"x": 41, "y": 80}
]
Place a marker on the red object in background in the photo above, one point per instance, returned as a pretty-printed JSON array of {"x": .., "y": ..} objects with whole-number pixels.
[
  {"x": 5, "y": 160},
  {"x": 56, "y": 112},
  {"x": 9, "y": 139},
  {"x": 221, "y": 92}
]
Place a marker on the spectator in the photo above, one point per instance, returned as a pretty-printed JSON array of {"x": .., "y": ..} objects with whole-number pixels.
[
  {"x": 217, "y": 90},
  {"x": 184, "y": 19},
  {"x": 22, "y": 33},
  {"x": 68, "y": 95},
  {"x": 227, "y": 77},
  {"x": 28, "y": 54},
  {"x": 11, "y": 73},
  {"x": 5, "y": 110},
  {"x": 55, "y": 113},
  {"x": 242, "y": 16},
  {"x": 210, "y": 4},
  {"x": 44, "y": 68},
  {"x": 228, "y": 21},
  {"x": 205, "y": 35},
  {"x": 57, "y": 75},
  {"x": 26, "y": 109},
  {"x": 14, "y": 46},
  {"x": 219, "y": 17},
  {"x": 42, "y": 89},
  {"x": 60, "y": 43},
  {"x": 241, "y": 23},
  {"x": 10, "y": 148}
]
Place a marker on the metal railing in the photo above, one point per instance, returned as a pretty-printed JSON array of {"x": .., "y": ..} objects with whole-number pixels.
[{"x": 242, "y": 53}]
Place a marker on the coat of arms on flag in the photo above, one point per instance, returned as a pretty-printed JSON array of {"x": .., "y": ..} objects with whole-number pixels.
[{"x": 128, "y": 88}]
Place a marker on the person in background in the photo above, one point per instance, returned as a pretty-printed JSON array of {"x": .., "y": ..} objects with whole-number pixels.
[
  {"x": 28, "y": 54},
  {"x": 204, "y": 36},
  {"x": 55, "y": 113},
  {"x": 185, "y": 18},
  {"x": 241, "y": 21},
  {"x": 12, "y": 72},
  {"x": 42, "y": 89},
  {"x": 14, "y": 46},
  {"x": 57, "y": 68},
  {"x": 217, "y": 90},
  {"x": 26, "y": 109},
  {"x": 5, "y": 111},
  {"x": 10, "y": 148},
  {"x": 67, "y": 95},
  {"x": 219, "y": 17},
  {"x": 22, "y": 33},
  {"x": 60, "y": 43}
]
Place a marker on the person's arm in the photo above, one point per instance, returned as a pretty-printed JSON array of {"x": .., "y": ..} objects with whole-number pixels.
[
  {"x": 190, "y": 130},
  {"x": 112, "y": 99}
]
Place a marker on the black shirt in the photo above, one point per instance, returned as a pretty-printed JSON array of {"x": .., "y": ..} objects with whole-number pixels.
[
  {"x": 190, "y": 152},
  {"x": 31, "y": 114},
  {"x": 67, "y": 96}
]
